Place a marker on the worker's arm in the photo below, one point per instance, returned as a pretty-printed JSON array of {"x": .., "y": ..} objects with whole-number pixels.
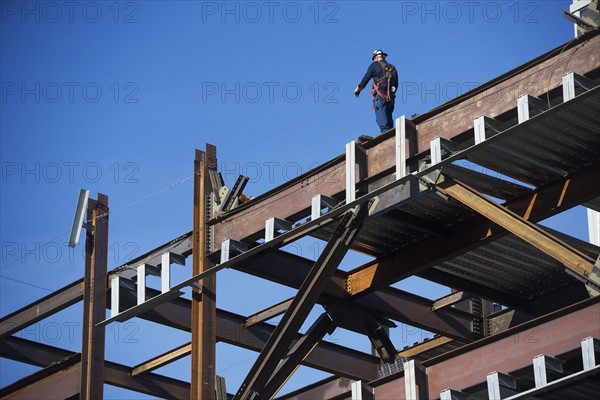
[{"x": 371, "y": 72}]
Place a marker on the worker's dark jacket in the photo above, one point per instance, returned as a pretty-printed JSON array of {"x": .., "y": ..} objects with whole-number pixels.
[{"x": 376, "y": 72}]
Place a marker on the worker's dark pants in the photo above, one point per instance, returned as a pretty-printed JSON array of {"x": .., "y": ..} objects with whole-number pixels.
[{"x": 383, "y": 113}]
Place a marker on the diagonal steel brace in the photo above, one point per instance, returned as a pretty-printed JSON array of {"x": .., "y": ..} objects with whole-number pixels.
[
  {"x": 308, "y": 294},
  {"x": 325, "y": 324},
  {"x": 576, "y": 262}
]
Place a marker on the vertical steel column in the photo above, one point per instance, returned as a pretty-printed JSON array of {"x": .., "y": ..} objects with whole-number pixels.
[
  {"x": 350, "y": 172},
  {"x": 362, "y": 391},
  {"x": 593, "y": 226},
  {"x": 400, "y": 141},
  {"x": 544, "y": 368},
  {"x": 523, "y": 108},
  {"x": 94, "y": 299},
  {"x": 141, "y": 284},
  {"x": 435, "y": 147},
  {"x": 479, "y": 128},
  {"x": 589, "y": 347},
  {"x": 115, "y": 282},
  {"x": 501, "y": 385},
  {"x": 414, "y": 387},
  {"x": 203, "y": 301},
  {"x": 165, "y": 272}
]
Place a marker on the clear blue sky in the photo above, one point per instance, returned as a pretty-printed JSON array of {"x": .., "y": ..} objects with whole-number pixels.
[{"x": 115, "y": 96}]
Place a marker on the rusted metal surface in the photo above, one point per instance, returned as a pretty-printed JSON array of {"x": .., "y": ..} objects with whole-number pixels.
[
  {"x": 391, "y": 389},
  {"x": 57, "y": 381},
  {"x": 415, "y": 232},
  {"x": 449, "y": 300},
  {"x": 247, "y": 221},
  {"x": 322, "y": 326},
  {"x": 269, "y": 313},
  {"x": 94, "y": 300},
  {"x": 303, "y": 302},
  {"x": 331, "y": 389},
  {"x": 509, "y": 318},
  {"x": 231, "y": 329},
  {"x": 42, "y": 355},
  {"x": 181, "y": 245},
  {"x": 326, "y": 356},
  {"x": 426, "y": 346},
  {"x": 514, "y": 350},
  {"x": 388, "y": 302},
  {"x": 162, "y": 360},
  {"x": 500, "y": 95},
  {"x": 534, "y": 206},
  {"x": 572, "y": 258},
  {"x": 38, "y": 310},
  {"x": 203, "y": 345}
]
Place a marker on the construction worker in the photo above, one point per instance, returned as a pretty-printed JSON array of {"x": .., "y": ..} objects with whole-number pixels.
[{"x": 385, "y": 82}]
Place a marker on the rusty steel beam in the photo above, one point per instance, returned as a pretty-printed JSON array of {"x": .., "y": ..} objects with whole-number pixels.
[
  {"x": 307, "y": 296},
  {"x": 57, "y": 381},
  {"x": 388, "y": 302},
  {"x": 572, "y": 258},
  {"x": 181, "y": 245},
  {"x": 246, "y": 220},
  {"x": 330, "y": 388},
  {"x": 322, "y": 326},
  {"x": 42, "y": 308},
  {"x": 231, "y": 329},
  {"x": 552, "y": 334},
  {"x": 204, "y": 314},
  {"x": 500, "y": 95},
  {"x": 73, "y": 292},
  {"x": 457, "y": 282},
  {"x": 450, "y": 300},
  {"x": 509, "y": 318},
  {"x": 162, "y": 360},
  {"x": 94, "y": 299},
  {"x": 293, "y": 199},
  {"x": 422, "y": 347},
  {"x": 326, "y": 356},
  {"x": 269, "y": 313},
  {"x": 534, "y": 206},
  {"x": 43, "y": 355}
]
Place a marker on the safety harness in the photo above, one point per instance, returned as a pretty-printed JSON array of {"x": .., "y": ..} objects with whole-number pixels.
[{"x": 388, "y": 70}]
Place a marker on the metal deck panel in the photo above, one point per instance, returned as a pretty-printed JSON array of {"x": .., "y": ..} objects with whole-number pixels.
[
  {"x": 565, "y": 138},
  {"x": 539, "y": 151},
  {"x": 508, "y": 264},
  {"x": 515, "y": 267},
  {"x": 487, "y": 184}
]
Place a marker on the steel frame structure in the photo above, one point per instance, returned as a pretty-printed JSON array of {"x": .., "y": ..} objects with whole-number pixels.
[{"x": 421, "y": 200}]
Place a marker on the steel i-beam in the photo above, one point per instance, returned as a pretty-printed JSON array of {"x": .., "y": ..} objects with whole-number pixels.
[
  {"x": 307, "y": 296},
  {"x": 576, "y": 262},
  {"x": 204, "y": 316},
  {"x": 94, "y": 299},
  {"x": 322, "y": 326}
]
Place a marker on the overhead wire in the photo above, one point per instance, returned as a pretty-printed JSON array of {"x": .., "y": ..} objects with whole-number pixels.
[
  {"x": 26, "y": 283},
  {"x": 125, "y": 206},
  {"x": 266, "y": 137}
]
